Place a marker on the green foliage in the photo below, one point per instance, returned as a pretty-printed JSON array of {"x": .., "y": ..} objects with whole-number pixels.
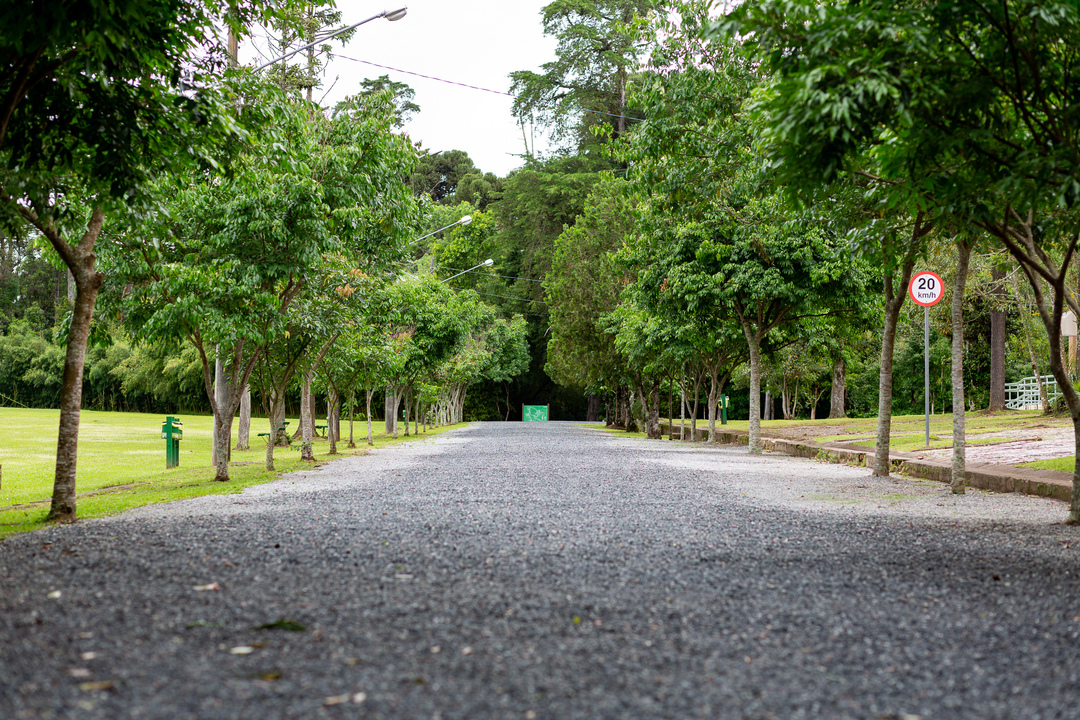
[
  {"x": 585, "y": 86},
  {"x": 437, "y": 175},
  {"x": 584, "y": 285}
]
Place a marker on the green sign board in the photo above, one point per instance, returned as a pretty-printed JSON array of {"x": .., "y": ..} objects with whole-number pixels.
[{"x": 534, "y": 413}]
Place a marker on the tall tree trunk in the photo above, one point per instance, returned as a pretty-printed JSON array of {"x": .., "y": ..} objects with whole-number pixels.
[
  {"x": 352, "y": 416},
  {"x": 963, "y": 257},
  {"x": 894, "y": 301},
  {"x": 243, "y": 432},
  {"x": 714, "y": 371},
  {"x": 307, "y": 418},
  {"x": 837, "y": 397},
  {"x": 275, "y": 411},
  {"x": 81, "y": 260},
  {"x": 767, "y": 411},
  {"x": 997, "y": 339},
  {"x": 754, "y": 345},
  {"x": 592, "y": 413},
  {"x": 370, "y": 392},
  {"x": 885, "y": 377},
  {"x": 682, "y": 405},
  {"x": 390, "y": 419},
  {"x": 331, "y": 408},
  {"x": 221, "y": 396}
]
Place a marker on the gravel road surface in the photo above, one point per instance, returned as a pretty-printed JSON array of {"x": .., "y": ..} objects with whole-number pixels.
[{"x": 555, "y": 571}]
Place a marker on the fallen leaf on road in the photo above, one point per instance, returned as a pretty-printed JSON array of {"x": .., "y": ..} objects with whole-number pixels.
[
  {"x": 88, "y": 655},
  {"x": 54, "y": 594},
  {"x": 466, "y": 650},
  {"x": 205, "y": 588},
  {"x": 99, "y": 685},
  {"x": 242, "y": 650},
  {"x": 337, "y": 699},
  {"x": 359, "y": 697},
  {"x": 78, "y": 672},
  {"x": 282, "y": 623}
]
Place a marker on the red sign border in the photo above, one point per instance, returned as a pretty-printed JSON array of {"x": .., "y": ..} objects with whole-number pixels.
[{"x": 912, "y": 284}]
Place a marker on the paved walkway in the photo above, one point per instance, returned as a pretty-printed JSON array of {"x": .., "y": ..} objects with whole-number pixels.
[{"x": 550, "y": 570}]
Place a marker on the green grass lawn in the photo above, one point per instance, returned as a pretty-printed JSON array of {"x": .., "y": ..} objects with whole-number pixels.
[{"x": 122, "y": 462}]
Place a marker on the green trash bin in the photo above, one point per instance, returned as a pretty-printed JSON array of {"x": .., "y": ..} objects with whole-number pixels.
[{"x": 172, "y": 431}]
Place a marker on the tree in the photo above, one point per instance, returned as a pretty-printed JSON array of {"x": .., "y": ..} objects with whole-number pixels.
[
  {"x": 437, "y": 174},
  {"x": 92, "y": 110},
  {"x": 402, "y": 95},
  {"x": 586, "y": 85}
]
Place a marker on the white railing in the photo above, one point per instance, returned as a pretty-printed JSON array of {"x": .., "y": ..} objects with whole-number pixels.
[{"x": 1024, "y": 394}]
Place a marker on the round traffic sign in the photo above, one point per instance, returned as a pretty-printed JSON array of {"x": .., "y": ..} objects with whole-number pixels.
[{"x": 926, "y": 288}]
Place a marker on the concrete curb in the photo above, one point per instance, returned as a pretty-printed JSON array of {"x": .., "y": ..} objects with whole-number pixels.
[{"x": 986, "y": 476}]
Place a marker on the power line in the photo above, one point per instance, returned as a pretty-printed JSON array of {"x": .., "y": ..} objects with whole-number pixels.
[{"x": 471, "y": 87}]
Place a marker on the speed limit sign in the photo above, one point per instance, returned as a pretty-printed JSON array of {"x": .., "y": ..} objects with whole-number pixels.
[{"x": 926, "y": 288}]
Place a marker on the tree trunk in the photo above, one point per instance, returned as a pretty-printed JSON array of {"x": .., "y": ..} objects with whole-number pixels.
[
  {"x": 391, "y": 410},
  {"x": 352, "y": 416},
  {"x": 80, "y": 259},
  {"x": 768, "y": 409},
  {"x": 694, "y": 407},
  {"x": 592, "y": 414},
  {"x": 714, "y": 371},
  {"x": 331, "y": 409},
  {"x": 243, "y": 439},
  {"x": 307, "y": 418},
  {"x": 221, "y": 395},
  {"x": 370, "y": 392},
  {"x": 884, "y": 425},
  {"x": 997, "y": 340},
  {"x": 754, "y": 345},
  {"x": 838, "y": 393},
  {"x": 682, "y": 406},
  {"x": 959, "y": 477}
]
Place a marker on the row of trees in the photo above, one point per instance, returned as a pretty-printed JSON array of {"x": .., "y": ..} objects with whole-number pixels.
[
  {"x": 795, "y": 163},
  {"x": 213, "y": 208}
]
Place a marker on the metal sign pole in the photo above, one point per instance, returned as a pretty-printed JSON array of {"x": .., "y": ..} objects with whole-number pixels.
[{"x": 926, "y": 369}]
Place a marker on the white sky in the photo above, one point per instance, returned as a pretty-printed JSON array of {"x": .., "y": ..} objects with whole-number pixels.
[{"x": 475, "y": 42}]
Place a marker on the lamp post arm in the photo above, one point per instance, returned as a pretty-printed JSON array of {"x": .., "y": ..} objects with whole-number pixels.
[
  {"x": 463, "y": 221},
  {"x": 395, "y": 15},
  {"x": 486, "y": 263}
]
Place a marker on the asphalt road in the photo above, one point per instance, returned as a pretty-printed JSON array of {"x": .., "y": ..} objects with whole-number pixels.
[{"x": 551, "y": 570}]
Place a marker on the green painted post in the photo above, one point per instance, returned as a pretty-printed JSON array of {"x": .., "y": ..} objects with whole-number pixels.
[
  {"x": 723, "y": 409},
  {"x": 172, "y": 430}
]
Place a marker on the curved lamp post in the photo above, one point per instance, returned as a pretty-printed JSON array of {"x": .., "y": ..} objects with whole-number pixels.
[
  {"x": 391, "y": 15},
  {"x": 487, "y": 263},
  {"x": 463, "y": 221}
]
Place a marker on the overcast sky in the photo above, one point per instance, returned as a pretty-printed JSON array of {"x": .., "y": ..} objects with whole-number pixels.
[{"x": 473, "y": 42}]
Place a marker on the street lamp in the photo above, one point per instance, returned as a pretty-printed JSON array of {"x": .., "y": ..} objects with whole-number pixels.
[
  {"x": 391, "y": 15},
  {"x": 463, "y": 221},
  {"x": 487, "y": 263}
]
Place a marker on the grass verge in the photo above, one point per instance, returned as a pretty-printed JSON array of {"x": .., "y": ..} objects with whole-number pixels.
[
  {"x": 122, "y": 462},
  {"x": 1063, "y": 464}
]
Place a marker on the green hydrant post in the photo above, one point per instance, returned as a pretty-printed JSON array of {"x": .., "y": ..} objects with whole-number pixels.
[
  {"x": 723, "y": 409},
  {"x": 172, "y": 431}
]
